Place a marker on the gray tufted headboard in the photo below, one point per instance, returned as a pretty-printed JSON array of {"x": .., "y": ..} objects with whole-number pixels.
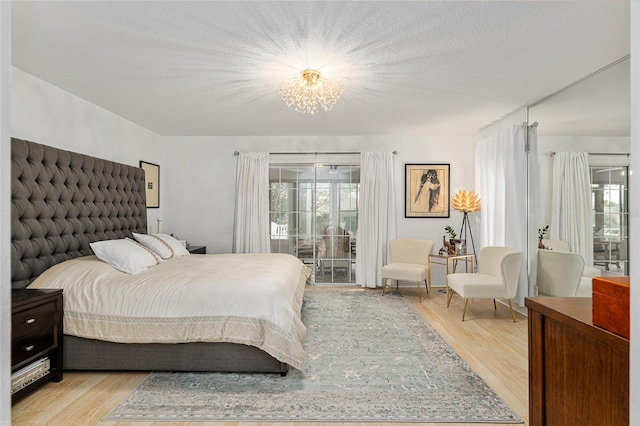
[{"x": 61, "y": 201}]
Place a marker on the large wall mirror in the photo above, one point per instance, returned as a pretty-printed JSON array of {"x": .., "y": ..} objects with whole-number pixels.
[{"x": 591, "y": 116}]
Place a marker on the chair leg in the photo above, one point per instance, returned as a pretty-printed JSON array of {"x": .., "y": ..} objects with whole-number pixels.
[
  {"x": 511, "y": 309},
  {"x": 464, "y": 311},
  {"x": 384, "y": 285},
  {"x": 449, "y": 296},
  {"x": 419, "y": 292},
  {"x": 428, "y": 287},
  {"x": 494, "y": 304}
]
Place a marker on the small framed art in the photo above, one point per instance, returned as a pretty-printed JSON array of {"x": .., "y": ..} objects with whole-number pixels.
[
  {"x": 152, "y": 184},
  {"x": 426, "y": 190}
]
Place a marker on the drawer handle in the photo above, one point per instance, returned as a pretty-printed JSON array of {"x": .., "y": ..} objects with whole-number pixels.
[
  {"x": 29, "y": 348},
  {"x": 30, "y": 321}
]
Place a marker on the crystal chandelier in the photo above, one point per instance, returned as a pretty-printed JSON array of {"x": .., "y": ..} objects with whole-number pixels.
[{"x": 309, "y": 91}]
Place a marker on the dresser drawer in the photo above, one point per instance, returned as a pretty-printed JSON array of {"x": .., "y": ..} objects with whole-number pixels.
[
  {"x": 27, "y": 346},
  {"x": 32, "y": 320}
]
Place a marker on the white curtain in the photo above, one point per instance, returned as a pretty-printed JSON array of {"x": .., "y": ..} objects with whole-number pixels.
[
  {"x": 376, "y": 217},
  {"x": 501, "y": 180},
  {"x": 534, "y": 206},
  {"x": 251, "y": 227},
  {"x": 571, "y": 219}
]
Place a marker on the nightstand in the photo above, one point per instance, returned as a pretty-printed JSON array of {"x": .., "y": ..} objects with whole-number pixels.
[
  {"x": 36, "y": 339},
  {"x": 197, "y": 249}
]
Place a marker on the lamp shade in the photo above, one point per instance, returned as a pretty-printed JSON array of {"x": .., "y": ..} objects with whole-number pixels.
[{"x": 465, "y": 201}]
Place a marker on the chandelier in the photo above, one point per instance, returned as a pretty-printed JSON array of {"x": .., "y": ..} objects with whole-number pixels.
[{"x": 309, "y": 91}]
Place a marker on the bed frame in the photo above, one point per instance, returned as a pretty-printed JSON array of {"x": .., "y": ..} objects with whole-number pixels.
[{"x": 60, "y": 202}]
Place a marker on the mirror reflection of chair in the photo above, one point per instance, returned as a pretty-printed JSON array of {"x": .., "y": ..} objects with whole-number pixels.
[
  {"x": 497, "y": 278},
  {"x": 409, "y": 262},
  {"x": 559, "y": 245},
  {"x": 562, "y": 273},
  {"x": 606, "y": 249}
]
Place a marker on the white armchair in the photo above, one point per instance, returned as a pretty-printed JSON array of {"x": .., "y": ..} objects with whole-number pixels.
[
  {"x": 497, "y": 278},
  {"x": 559, "y": 245},
  {"x": 409, "y": 262},
  {"x": 562, "y": 273}
]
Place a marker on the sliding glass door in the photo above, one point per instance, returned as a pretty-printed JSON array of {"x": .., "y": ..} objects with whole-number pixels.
[{"x": 314, "y": 216}]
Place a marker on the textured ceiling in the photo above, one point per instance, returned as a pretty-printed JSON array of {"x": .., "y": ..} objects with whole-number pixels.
[{"x": 213, "y": 68}]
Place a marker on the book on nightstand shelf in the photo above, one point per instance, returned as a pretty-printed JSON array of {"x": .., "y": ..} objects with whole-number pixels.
[{"x": 197, "y": 249}]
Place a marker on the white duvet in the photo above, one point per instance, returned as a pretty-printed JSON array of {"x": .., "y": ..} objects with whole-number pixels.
[{"x": 252, "y": 299}]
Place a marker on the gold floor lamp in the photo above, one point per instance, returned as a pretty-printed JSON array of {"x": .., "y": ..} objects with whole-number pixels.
[{"x": 466, "y": 202}]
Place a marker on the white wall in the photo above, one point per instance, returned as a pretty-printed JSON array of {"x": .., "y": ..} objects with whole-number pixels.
[
  {"x": 5, "y": 215},
  {"x": 43, "y": 113},
  {"x": 200, "y": 180},
  {"x": 46, "y": 114},
  {"x": 635, "y": 213},
  {"x": 548, "y": 144}
]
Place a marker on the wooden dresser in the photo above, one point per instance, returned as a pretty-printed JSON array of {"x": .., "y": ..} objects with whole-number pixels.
[{"x": 578, "y": 373}]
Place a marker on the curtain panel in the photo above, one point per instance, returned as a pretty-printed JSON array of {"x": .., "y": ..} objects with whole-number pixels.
[
  {"x": 376, "y": 217},
  {"x": 571, "y": 210},
  {"x": 251, "y": 225},
  {"x": 501, "y": 180}
]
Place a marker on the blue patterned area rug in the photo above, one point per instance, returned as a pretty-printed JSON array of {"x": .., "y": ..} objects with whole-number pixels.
[{"x": 369, "y": 359}]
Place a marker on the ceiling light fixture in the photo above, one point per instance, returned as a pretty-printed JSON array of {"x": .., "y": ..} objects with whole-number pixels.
[{"x": 309, "y": 91}]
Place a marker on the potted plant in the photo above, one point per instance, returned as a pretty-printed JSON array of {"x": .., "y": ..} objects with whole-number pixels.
[
  {"x": 451, "y": 245},
  {"x": 541, "y": 233}
]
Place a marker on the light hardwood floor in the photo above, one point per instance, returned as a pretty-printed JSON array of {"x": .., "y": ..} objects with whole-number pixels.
[{"x": 488, "y": 340}]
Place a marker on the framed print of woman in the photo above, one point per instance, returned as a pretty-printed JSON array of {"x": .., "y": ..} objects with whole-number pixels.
[{"x": 427, "y": 190}]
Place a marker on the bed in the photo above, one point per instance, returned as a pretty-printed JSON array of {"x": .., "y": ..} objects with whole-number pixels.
[{"x": 62, "y": 202}]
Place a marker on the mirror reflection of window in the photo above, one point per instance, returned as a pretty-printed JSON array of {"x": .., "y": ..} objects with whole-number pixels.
[{"x": 609, "y": 186}]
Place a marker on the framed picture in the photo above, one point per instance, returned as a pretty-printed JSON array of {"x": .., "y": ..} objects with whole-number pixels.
[
  {"x": 426, "y": 190},
  {"x": 152, "y": 183}
]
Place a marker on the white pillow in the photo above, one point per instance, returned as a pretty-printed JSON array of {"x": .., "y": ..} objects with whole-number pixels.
[
  {"x": 125, "y": 255},
  {"x": 177, "y": 247},
  {"x": 155, "y": 244}
]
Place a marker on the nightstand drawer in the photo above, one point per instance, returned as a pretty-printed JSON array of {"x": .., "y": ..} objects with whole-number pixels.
[
  {"x": 27, "y": 346},
  {"x": 36, "y": 334},
  {"x": 32, "y": 320}
]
